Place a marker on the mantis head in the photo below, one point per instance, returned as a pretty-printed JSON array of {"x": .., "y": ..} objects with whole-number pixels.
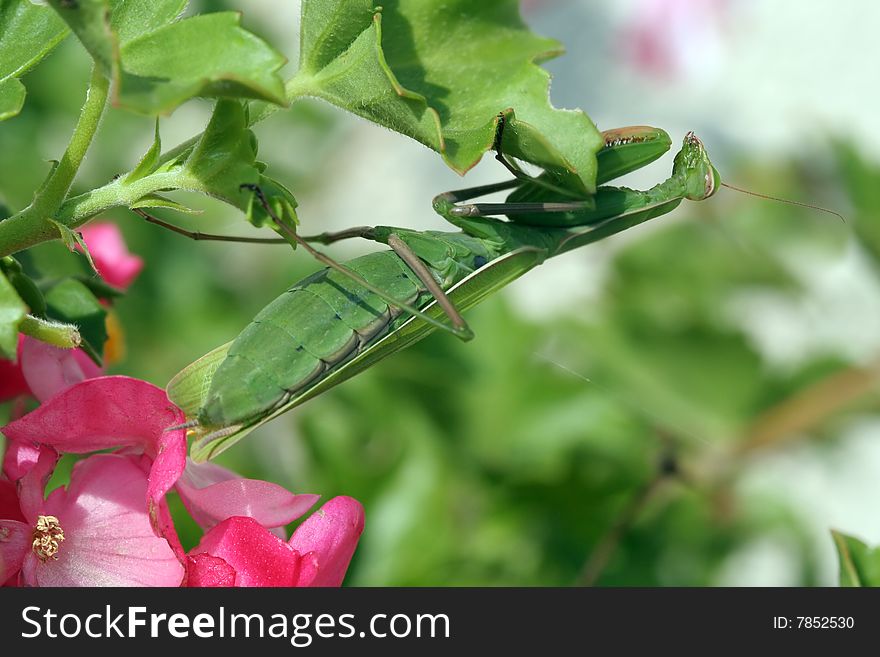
[{"x": 701, "y": 179}]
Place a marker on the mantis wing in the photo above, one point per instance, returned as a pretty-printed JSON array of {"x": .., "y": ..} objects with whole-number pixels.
[{"x": 189, "y": 388}]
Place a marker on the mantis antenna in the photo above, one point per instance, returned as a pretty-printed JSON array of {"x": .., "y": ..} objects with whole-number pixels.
[{"x": 785, "y": 200}]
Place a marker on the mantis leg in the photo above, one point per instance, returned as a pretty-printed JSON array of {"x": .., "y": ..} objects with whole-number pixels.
[
  {"x": 412, "y": 260},
  {"x": 516, "y": 171},
  {"x": 322, "y": 238},
  {"x": 208, "y": 237},
  {"x": 459, "y": 328}
]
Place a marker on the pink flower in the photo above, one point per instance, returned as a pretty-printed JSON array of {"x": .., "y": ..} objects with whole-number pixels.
[
  {"x": 670, "y": 38},
  {"x": 114, "y": 511},
  {"x": 94, "y": 532},
  {"x": 212, "y": 493},
  {"x": 110, "y": 254},
  {"x": 110, "y": 412},
  {"x": 241, "y": 552}
]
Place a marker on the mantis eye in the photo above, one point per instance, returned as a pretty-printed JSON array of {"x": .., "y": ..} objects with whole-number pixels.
[{"x": 713, "y": 181}]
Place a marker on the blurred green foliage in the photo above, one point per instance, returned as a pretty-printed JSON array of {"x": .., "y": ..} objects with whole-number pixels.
[{"x": 601, "y": 444}]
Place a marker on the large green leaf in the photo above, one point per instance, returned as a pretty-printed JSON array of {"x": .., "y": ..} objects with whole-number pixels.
[
  {"x": 12, "y": 311},
  {"x": 859, "y": 564},
  {"x": 441, "y": 72},
  {"x": 158, "y": 62},
  {"x": 131, "y": 18},
  {"x": 28, "y": 33}
]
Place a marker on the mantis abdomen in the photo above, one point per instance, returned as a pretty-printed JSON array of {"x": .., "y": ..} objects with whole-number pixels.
[{"x": 315, "y": 326}]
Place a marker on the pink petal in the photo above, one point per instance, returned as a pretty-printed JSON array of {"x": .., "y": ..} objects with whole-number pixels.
[
  {"x": 48, "y": 370},
  {"x": 19, "y": 459},
  {"x": 258, "y": 557},
  {"x": 327, "y": 540},
  {"x": 203, "y": 570},
  {"x": 107, "y": 412},
  {"x": 212, "y": 493},
  {"x": 15, "y": 542},
  {"x": 160, "y": 515},
  {"x": 111, "y": 256},
  {"x": 108, "y": 539},
  {"x": 33, "y": 483}
]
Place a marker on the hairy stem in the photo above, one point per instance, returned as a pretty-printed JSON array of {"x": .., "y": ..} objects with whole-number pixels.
[
  {"x": 30, "y": 226},
  {"x": 65, "y": 336}
]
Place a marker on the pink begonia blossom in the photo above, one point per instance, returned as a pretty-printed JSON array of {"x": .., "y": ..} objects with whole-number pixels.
[
  {"x": 110, "y": 254},
  {"x": 94, "y": 532},
  {"x": 114, "y": 513},
  {"x": 671, "y": 38},
  {"x": 212, "y": 493},
  {"x": 110, "y": 412},
  {"x": 241, "y": 552}
]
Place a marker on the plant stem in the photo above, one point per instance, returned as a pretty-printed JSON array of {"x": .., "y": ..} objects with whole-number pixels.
[
  {"x": 29, "y": 226},
  {"x": 65, "y": 336}
]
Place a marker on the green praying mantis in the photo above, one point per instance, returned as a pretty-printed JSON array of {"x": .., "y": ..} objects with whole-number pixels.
[{"x": 341, "y": 320}]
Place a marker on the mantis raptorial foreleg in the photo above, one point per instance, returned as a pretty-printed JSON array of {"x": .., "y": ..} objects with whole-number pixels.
[
  {"x": 521, "y": 176},
  {"x": 693, "y": 177}
]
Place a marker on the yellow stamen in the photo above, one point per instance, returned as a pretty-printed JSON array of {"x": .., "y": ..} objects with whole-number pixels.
[{"x": 47, "y": 538}]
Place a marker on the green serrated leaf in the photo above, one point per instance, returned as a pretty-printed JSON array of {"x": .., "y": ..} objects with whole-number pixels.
[
  {"x": 209, "y": 55},
  {"x": 158, "y": 62},
  {"x": 28, "y": 33},
  {"x": 859, "y": 564},
  {"x": 441, "y": 72},
  {"x": 12, "y": 312},
  {"x": 131, "y": 18},
  {"x": 224, "y": 159},
  {"x": 73, "y": 303},
  {"x": 103, "y": 25}
]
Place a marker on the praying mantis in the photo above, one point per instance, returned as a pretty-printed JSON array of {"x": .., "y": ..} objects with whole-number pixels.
[{"x": 341, "y": 320}]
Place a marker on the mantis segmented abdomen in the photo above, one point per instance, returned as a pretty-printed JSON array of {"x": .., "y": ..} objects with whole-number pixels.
[{"x": 303, "y": 334}]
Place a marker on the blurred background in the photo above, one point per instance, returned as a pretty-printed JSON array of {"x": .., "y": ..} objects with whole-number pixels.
[{"x": 694, "y": 402}]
